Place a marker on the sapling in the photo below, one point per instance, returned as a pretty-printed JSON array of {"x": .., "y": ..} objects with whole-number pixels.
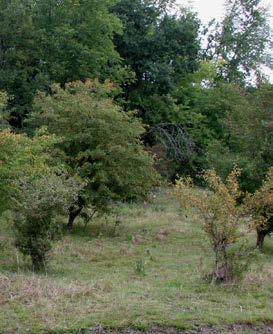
[{"x": 220, "y": 214}]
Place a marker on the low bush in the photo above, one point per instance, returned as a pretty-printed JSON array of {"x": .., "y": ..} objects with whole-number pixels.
[
  {"x": 36, "y": 189},
  {"x": 37, "y": 203},
  {"x": 221, "y": 221},
  {"x": 260, "y": 206}
]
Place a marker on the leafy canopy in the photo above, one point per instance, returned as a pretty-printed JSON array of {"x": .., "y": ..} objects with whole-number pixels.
[
  {"x": 160, "y": 48},
  {"x": 240, "y": 40},
  {"x": 46, "y": 41}
]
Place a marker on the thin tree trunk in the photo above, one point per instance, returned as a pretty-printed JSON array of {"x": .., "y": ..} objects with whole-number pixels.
[{"x": 220, "y": 272}]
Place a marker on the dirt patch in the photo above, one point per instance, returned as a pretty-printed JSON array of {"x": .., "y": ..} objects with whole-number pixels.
[{"x": 234, "y": 329}]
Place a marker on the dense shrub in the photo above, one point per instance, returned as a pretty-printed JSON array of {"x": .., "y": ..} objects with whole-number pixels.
[
  {"x": 38, "y": 201},
  {"x": 35, "y": 187},
  {"x": 3, "y": 113},
  {"x": 32, "y": 187}
]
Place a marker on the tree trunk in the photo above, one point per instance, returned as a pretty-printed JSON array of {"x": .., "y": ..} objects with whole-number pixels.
[
  {"x": 260, "y": 239},
  {"x": 38, "y": 261},
  {"x": 73, "y": 214},
  {"x": 221, "y": 270}
]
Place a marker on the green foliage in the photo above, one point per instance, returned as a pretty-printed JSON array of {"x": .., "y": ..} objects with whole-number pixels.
[
  {"x": 35, "y": 189},
  {"x": 228, "y": 125},
  {"x": 46, "y": 41},
  {"x": 19, "y": 72},
  {"x": 21, "y": 156},
  {"x": 220, "y": 125},
  {"x": 3, "y": 99},
  {"x": 75, "y": 38},
  {"x": 203, "y": 106},
  {"x": 3, "y": 113},
  {"x": 240, "y": 40},
  {"x": 36, "y": 204},
  {"x": 221, "y": 221},
  {"x": 161, "y": 49},
  {"x": 100, "y": 143},
  {"x": 246, "y": 136}
]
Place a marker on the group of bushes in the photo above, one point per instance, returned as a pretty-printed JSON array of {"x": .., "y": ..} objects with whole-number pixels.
[{"x": 224, "y": 207}]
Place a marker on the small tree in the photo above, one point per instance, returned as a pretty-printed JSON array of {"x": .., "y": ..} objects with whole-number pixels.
[
  {"x": 35, "y": 189},
  {"x": 99, "y": 142},
  {"x": 240, "y": 40},
  {"x": 37, "y": 202},
  {"x": 218, "y": 208},
  {"x": 260, "y": 206}
]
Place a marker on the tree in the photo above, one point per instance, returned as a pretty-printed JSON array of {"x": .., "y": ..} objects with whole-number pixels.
[
  {"x": 240, "y": 40},
  {"x": 75, "y": 39},
  {"x": 100, "y": 143},
  {"x": 19, "y": 57},
  {"x": 202, "y": 106},
  {"x": 161, "y": 49},
  {"x": 46, "y": 41},
  {"x": 221, "y": 220},
  {"x": 228, "y": 125}
]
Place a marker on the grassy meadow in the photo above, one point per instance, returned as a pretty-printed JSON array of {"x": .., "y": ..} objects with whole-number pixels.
[{"x": 141, "y": 267}]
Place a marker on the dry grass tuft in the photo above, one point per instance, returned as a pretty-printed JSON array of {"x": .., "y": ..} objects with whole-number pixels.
[
  {"x": 33, "y": 289},
  {"x": 262, "y": 277}
]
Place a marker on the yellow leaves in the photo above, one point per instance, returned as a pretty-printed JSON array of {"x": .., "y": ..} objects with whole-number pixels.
[
  {"x": 218, "y": 206},
  {"x": 260, "y": 204},
  {"x": 20, "y": 154},
  {"x": 184, "y": 190},
  {"x": 233, "y": 184}
]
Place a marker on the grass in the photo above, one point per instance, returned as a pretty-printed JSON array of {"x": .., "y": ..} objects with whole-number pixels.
[{"x": 145, "y": 271}]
